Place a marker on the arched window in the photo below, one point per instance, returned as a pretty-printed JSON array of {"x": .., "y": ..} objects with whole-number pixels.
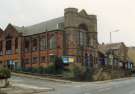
[
  {"x": 9, "y": 45},
  {"x": 34, "y": 44},
  {"x": 43, "y": 42},
  {"x": 52, "y": 42},
  {"x": 8, "y": 42},
  {"x": 82, "y": 34},
  {"x": 0, "y": 45},
  {"x": 16, "y": 43},
  {"x": 83, "y": 27}
]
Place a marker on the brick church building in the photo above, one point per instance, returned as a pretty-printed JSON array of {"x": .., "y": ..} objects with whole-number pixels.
[{"x": 74, "y": 35}]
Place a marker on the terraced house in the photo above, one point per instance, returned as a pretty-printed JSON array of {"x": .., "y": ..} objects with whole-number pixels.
[{"x": 72, "y": 36}]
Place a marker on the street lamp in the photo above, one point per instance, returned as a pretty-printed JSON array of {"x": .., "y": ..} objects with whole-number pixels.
[
  {"x": 111, "y": 34},
  {"x": 111, "y": 56}
]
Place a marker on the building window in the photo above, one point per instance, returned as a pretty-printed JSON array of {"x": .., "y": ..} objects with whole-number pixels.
[
  {"x": 27, "y": 45},
  {"x": 1, "y": 45},
  {"x": 35, "y": 60},
  {"x": 43, "y": 44},
  {"x": 1, "y": 52},
  {"x": 9, "y": 47},
  {"x": 82, "y": 38},
  {"x": 52, "y": 42},
  {"x": 34, "y": 44},
  {"x": 83, "y": 27},
  {"x": 42, "y": 59},
  {"x": 16, "y": 43},
  {"x": 83, "y": 34},
  {"x": 92, "y": 42},
  {"x": 52, "y": 58},
  {"x": 60, "y": 25},
  {"x": 26, "y": 61}
]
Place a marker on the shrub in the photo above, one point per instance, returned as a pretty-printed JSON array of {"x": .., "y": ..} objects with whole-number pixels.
[
  {"x": 50, "y": 69},
  {"x": 75, "y": 71},
  {"x": 78, "y": 72},
  {"x": 4, "y": 73},
  {"x": 41, "y": 70}
]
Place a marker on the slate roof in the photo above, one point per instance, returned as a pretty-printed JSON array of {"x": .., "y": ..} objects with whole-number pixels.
[
  {"x": 41, "y": 27},
  {"x": 105, "y": 47}
]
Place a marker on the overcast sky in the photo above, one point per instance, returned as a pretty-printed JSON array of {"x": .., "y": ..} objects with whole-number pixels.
[{"x": 112, "y": 15}]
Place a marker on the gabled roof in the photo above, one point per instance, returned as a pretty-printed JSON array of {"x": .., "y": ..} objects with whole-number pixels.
[
  {"x": 41, "y": 27},
  {"x": 105, "y": 47}
]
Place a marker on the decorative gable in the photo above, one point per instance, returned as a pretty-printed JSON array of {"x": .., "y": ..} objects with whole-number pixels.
[
  {"x": 83, "y": 13},
  {"x": 10, "y": 30}
]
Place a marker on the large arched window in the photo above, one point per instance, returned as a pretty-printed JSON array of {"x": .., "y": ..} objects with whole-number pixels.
[
  {"x": 83, "y": 27},
  {"x": 52, "y": 42},
  {"x": 82, "y": 34}
]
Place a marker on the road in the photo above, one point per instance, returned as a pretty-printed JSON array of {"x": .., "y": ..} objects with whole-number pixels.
[{"x": 121, "y": 86}]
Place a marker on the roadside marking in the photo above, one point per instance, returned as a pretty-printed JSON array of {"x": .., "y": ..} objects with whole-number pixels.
[
  {"x": 87, "y": 93},
  {"x": 104, "y": 89},
  {"x": 31, "y": 87}
]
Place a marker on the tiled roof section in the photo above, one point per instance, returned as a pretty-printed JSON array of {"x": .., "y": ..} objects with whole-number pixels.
[
  {"x": 105, "y": 47},
  {"x": 41, "y": 27}
]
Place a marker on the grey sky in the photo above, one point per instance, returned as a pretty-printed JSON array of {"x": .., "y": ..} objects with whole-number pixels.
[{"x": 112, "y": 15}]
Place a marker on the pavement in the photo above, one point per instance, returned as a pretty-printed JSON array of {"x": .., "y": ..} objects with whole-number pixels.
[
  {"x": 42, "y": 86},
  {"x": 42, "y": 78}
]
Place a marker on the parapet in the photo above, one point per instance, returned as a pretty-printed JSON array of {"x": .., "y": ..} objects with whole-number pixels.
[{"x": 71, "y": 10}]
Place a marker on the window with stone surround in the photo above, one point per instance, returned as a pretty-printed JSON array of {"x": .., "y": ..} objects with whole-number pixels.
[
  {"x": 34, "y": 44},
  {"x": 83, "y": 35},
  {"x": 42, "y": 59},
  {"x": 43, "y": 43},
  {"x": 26, "y": 45},
  {"x": 52, "y": 41},
  {"x": 16, "y": 43},
  {"x": 35, "y": 60}
]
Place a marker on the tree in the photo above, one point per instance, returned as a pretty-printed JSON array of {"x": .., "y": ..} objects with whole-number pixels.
[{"x": 4, "y": 75}]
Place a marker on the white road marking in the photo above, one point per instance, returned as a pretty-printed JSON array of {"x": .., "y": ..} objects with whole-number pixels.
[
  {"x": 30, "y": 86},
  {"x": 104, "y": 89},
  {"x": 87, "y": 93}
]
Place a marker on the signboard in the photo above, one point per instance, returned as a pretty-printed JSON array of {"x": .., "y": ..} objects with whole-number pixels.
[
  {"x": 67, "y": 59},
  {"x": 71, "y": 59}
]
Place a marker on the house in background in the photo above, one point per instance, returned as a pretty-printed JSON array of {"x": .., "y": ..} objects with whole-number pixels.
[
  {"x": 119, "y": 51},
  {"x": 74, "y": 35}
]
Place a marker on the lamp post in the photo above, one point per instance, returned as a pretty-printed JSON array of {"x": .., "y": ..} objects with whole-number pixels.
[
  {"x": 111, "y": 56},
  {"x": 117, "y": 30}
]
